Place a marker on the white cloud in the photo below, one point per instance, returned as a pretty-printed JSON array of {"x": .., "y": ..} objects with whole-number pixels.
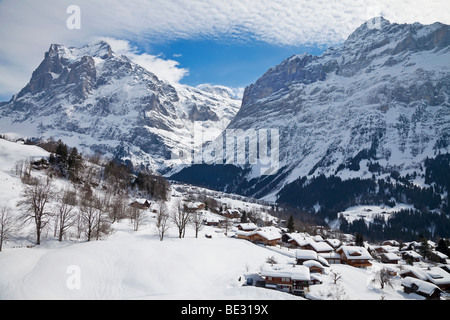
[
  {"x": 166, "y": 70},
  {"x": 30, "y": 26}
]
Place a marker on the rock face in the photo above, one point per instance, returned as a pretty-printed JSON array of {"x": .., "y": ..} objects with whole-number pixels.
[
  {"x": 102, "y": 102},
  {"x": 381, "y": 97}
]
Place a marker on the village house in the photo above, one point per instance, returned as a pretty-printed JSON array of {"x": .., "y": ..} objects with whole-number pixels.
[
  {"x": 213, "y": 221},
  {"x": 288, "y": 278},
  {"x": 335, "y": 243},
  {"x": 314, "y": 266},
  {"x": 141, "y": 205},
  {"x": 331, "y": 257},
  {"x": 305, "y": 242},
  {"x": 390, "y": 257},
  {"x": 413, "y": 272},
  {"x": 302, "y": 255},
  {"x": 420, "y": 287},
  {"x": 247, "y": 226},
  {"x": 411, "y": 255},
  {"x": 438, "y": 277},
  {"x": 437, "y": 256},
  {"x": 269, "y": 236},
  {"x": 355, "y": 256}
]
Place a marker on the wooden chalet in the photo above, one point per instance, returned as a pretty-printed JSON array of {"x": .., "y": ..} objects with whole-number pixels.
[
  {"x": 140, "y": 205},
  {"x": 268, "y": 236},
  {"x": 314, "y": 266},
  {"x": 420, "y": 287},
  {"x": 355, "y": 256},
  {"x": 438, "y": 277},
  {"x": 331, "y": 257},
  {"x": 305, "y": 242},
  {"x": 437, "y": 256},
  {"x": 390, "y": 257},
  {"x": 287, "y": 278},
  {"x": 301, "y": 256},
  {"x": 411, "y": 255},
  {"x": 247, "y": 226}
]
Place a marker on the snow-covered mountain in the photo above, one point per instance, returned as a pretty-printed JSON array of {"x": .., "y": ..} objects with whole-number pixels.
[
  {"x": 99, "y": 101},
  {"x": 381, "y": 98}
]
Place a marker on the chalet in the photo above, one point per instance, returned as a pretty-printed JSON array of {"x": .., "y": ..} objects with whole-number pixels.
[
  {"x": 335, "y": 243},
  {"x": 231, "y": 213},
  {"x": 302, "y": 255},
  {"x": 411, "y": 255},
  {"x": 308, "y": 243},
  {"x": 392, "y": 243},
  {"x": 438, "y": 277},
  {"x": 331, "y": 257},
  {"x": 288, "y": 278},
  {"x": 269, "y": 236},
  {"x": 140, "y": 205},
  {"x": 420, "y": 287},
  {"x": 437, "y": 256},
  {"x": 413, "y": 272},
  {"x": 247, "y": 226},
  {"x": 213, "y": 221},
  {"x": 314, "y": 266},
  {"x": 355, "y": 256},
  {"x": 390, "y": 257},
  {"x": 385, "y": 249}
]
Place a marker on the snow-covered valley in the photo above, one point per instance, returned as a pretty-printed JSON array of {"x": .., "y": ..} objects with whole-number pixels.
[{"x": 131, "y": 264}]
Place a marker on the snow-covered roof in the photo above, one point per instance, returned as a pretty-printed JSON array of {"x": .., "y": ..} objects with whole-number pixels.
[
  {"x": 438, "y": 276},
  {"x": 248, "y": 226},
  {"x": 295, "y": 272},
  {"x": 306, "y": 254},
  {"x": 313, "y": 263},
  {"x": 391, "y": 256},
  {"x": 355, "y": 253},
  {"x": 412, "y": 254},
  {"x": 423, "y": 286},
  {"x": 320, "y": 246},
  {"x": 269, "y": 233},
  {"x": 440, "y": 254},
  {"x": 419, "y": 273},
  {"x": 334, "y": 242}
]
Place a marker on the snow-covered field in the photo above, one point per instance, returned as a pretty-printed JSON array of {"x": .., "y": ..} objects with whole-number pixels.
[{"x": 137, "y": 265}]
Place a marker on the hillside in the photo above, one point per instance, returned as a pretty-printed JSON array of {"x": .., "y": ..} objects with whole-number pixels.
[{"x": 130, "y": 264}]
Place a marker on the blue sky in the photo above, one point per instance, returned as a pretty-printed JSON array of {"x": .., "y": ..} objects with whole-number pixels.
[
  {"x": 193, "y": 42},
  {"x": 232, "y": 63}
]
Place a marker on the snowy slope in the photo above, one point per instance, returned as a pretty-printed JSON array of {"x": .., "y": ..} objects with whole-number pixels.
[{"x": 137, "y": 265}]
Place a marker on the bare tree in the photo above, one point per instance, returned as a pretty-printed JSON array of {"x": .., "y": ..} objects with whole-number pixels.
[
  {"x": 36, "y": 197},
  {"x": 136, "y": 217},
  {"x": 180, "y": 218},
  {"x": 335, "y": 276},
  {"x": 103, "y": 224},
  {"x": 89, "y": 215},
  {"x": 162, "y": 220},
  {"x": 271, "y": 260},
  {"x": 197, "y": 222},
  {"x": 227, "y": 224},
  {"x": 6, "y": 225},
  {"x": 119, "y": 208},
  {"x": 383, "y": 277},
  {"x": 66, "y": 212}
]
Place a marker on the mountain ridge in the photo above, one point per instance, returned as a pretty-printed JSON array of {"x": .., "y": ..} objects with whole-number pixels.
[
  {"x": 381, "y": 99},
  {"x": 103, "y": 102}
]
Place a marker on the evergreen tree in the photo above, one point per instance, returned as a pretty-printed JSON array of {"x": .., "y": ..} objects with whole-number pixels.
[
  {"x": 291, "y": 224},
  {"x": 359, "y": 240}
]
